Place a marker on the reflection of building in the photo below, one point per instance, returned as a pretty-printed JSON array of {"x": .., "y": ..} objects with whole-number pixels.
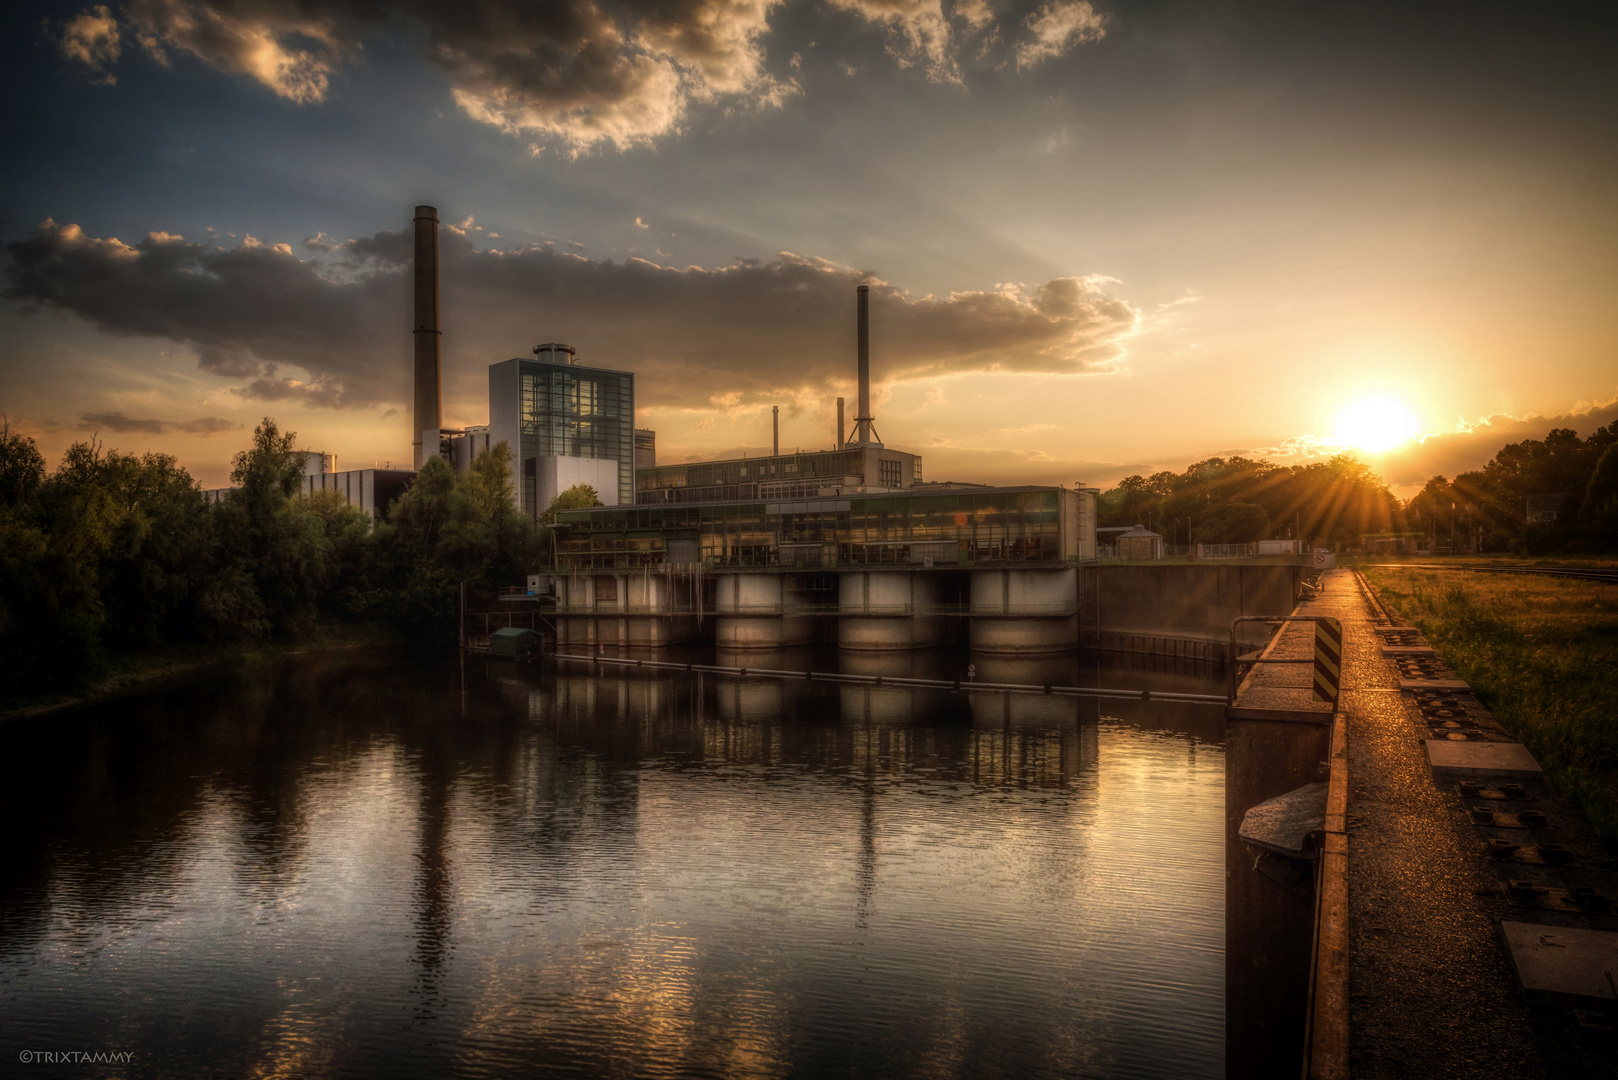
[
  {"x": 1545, "y": 508},
  {"x": 565, "y": 425}
]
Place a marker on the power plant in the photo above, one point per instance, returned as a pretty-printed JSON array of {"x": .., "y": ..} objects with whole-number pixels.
[{"x": 849, "y": 544}]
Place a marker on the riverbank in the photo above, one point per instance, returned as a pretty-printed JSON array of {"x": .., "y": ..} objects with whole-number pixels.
[
  {"x": 1542, "y": 654},
  {"x": 126, "y": 673}
]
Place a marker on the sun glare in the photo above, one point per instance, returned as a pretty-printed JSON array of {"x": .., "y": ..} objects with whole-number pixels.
[{"x": 1376, "y": 424}]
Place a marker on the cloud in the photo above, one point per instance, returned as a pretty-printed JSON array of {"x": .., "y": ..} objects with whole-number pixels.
[
  {"x": 569, "y": 75},
  {"x": 919, "y": 32},
  {"x": 291, "y": 48},
  {"x": 118, "y": 422},
  {"x": 1473, "y": 444},
  {"x": 334, "y": 331},
  {"x": 579, "y": 73},
  {"x": 94, "y": 40},
  {"x": 1057, "y": 27},
  {"x": 246, "y": 311},
  {"x": 1448, "y": 453}
]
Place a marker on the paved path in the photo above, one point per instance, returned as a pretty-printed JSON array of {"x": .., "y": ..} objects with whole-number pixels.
[{"x": 1431, "y": 992}]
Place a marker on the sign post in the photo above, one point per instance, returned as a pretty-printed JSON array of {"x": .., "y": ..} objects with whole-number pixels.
[{"x": 1328, "y": 660}]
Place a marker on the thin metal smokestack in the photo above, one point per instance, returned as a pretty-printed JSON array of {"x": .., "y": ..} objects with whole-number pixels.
[
  {"x": 427, "y": 415},
  {"x": 864, "y": 426},
  {"x": 776, "y": 411},
  {"x": 840, "y": 427}
]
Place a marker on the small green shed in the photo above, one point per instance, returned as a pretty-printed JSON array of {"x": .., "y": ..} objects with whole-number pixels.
[{"x": 515, "y": 641}]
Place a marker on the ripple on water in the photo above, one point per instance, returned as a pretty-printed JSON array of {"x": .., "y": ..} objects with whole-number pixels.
[{"x": 337, "y": 871}]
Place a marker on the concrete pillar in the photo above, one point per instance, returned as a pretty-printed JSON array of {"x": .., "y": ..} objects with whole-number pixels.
[
  {"x": 752, "y": 612},
  {"x": 1025, "y": 611},
  {"x": 883, "y": 610}
]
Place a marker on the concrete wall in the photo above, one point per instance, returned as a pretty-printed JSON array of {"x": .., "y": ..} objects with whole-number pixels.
[
  {"x": 1024, "y": 611},
  {"x": 888, "y": 596},
  {"x": 632, "y": 616},
  {"x": 1185, "y": 601},
  {"x": 557, "y": 474},
  {"x": 505, "y": 422},
  {"x": 753, "y": 612}
]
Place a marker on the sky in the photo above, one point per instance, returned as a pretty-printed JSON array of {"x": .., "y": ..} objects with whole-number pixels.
[{"x": 1103, "y": 238}]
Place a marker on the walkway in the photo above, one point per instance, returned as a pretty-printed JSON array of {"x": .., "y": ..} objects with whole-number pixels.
[{"x": 1431, "y": 991}]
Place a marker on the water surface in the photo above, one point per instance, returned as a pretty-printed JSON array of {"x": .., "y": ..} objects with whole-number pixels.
[{"x": 363, "y": 866}]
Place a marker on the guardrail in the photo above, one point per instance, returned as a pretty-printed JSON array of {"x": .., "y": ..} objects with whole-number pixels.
[
  {"x": 610, "y": 609},
  {"x": 1239, "y": 661}
]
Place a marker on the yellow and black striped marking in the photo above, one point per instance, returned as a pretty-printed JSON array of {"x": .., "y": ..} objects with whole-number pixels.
[{"x": 1328, "y": 659}]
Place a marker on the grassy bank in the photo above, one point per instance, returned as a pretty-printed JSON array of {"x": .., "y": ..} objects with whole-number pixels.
[
  {"x": 1599, "y": 561},
  {"x": 124, "y": 673},
  {"x": 1542, "y": 654}
]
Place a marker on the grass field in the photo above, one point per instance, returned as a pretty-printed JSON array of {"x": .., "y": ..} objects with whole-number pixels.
[
  {"x": 1363, "y": 561},
  {"x": 1542, "y": 654}
]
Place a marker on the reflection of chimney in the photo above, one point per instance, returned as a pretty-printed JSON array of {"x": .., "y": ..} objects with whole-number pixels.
[
  {"x": 428, "y": 412},
  {"x": 776, "y": 410},
  {"x": 840, "y": 428},
  {"x": 864, "y": 429}
]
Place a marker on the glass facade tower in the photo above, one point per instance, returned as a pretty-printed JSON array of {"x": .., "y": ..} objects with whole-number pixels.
[{"x": 566, "y": 424}]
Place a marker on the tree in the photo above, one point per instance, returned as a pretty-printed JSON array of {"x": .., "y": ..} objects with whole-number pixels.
[
  {"x": 272, "y": 554},
  {"x": 1598, "y": 509},
  {"x": 22, "y": 469},
  {"x": 577, "y": 497}
]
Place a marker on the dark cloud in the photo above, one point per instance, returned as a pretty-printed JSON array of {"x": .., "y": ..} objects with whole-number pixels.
[
  {"x": 247, "y": 311},
  {"x": 576, "y": 74},
  {"x": 335, "y": 332},
  {"x": 118, "y": 422},
  {"x": 1456, "y": 452},
  {"x": 92, "y": 38}
]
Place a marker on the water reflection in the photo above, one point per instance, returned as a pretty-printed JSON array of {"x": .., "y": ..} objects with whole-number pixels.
[{"x": 347, "y": 867}]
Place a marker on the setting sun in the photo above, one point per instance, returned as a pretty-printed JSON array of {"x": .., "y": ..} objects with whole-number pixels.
[{"x": 1376, "y": 424}]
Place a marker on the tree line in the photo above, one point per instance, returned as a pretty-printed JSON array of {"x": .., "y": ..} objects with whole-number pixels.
[
  {"x": 1339, "y": 501},
  {"x": 116, "y": 551}
]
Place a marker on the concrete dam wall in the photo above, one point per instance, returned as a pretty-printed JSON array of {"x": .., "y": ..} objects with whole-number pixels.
[{"x": 1182, "y": 609}]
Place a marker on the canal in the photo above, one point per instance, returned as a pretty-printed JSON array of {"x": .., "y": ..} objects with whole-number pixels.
[{"x": 346, "y": 866}]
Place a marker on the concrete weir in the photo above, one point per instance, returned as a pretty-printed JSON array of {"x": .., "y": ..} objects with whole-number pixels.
[
  {"x": 760, "y": 611},
  {"x": 626, "y": 608},
  {"x": 888, "y": 610},
  {"x": 1025, "y": 611}
]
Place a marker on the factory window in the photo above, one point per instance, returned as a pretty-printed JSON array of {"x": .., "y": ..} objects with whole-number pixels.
[{"x": 890, "y": 473}]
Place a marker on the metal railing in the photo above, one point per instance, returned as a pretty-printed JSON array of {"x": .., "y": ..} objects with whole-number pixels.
[
  {"x": 1239, "y": 661},
  {"x": 611, "y": 608}
]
